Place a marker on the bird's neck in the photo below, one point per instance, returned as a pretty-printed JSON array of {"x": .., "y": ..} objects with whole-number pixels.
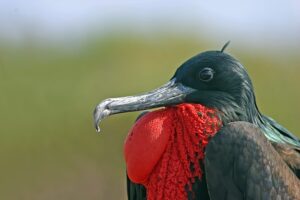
[
  {"x": 239, "y": 108},
  {"x": 247, "y": 110}
]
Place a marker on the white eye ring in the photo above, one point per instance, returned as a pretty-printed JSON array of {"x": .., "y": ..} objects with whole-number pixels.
[{"x": 206, "y": 74}]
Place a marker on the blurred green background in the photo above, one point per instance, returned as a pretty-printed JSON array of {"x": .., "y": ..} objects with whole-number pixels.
[{"x": 48, "y": 146}]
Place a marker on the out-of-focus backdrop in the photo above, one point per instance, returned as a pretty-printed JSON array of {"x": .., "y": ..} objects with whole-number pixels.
[{"x": 59, "y": 59}]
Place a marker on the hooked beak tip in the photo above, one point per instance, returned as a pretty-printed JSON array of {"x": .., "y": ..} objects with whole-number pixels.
[
  {"x": 97, "y": 129},
  {"x": 101, "y": 111},
  {"x": 97, "y": 118}
]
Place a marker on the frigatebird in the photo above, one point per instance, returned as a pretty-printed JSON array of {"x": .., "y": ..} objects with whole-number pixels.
[{"x": 208, "y": 140}]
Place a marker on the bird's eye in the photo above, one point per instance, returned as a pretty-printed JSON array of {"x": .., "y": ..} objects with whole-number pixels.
[{"x": 206, "y": 74}]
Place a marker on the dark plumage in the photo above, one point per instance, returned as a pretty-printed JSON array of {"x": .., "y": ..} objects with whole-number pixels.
[
  {"x": 250, "y": 167},
  {"x": 251, "y": 157},
  {"x": 230, "y": 91}
]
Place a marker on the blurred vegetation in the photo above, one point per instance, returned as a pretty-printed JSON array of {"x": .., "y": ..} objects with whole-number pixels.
[{"x": 48, "y": 145}]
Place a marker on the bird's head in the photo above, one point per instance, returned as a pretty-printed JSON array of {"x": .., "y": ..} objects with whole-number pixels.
[{"x": 212, "y": 78}]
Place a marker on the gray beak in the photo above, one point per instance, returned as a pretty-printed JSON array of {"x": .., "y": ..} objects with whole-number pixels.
[{"x": 171, "y": 93}]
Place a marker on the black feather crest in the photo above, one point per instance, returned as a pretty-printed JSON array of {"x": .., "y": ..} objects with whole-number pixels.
[{"x": 225, "y": 46}]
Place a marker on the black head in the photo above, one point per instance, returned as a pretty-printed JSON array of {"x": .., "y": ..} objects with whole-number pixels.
[
  {"x": 213, "y": 78},
  {"x": 220, "y": 81}
]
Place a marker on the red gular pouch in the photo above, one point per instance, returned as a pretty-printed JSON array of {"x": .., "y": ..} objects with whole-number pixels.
[{"x": 162, "y": 146}]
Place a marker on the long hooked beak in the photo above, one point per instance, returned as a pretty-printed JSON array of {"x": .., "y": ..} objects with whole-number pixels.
[{"x": 171, "y": 93}]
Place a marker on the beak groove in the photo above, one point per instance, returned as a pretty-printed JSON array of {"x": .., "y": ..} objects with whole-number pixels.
[{"x": 171, "y": 93}]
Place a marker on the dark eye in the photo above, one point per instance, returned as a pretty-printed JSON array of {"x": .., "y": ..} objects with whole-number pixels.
[{"x": 206, "y": 74}]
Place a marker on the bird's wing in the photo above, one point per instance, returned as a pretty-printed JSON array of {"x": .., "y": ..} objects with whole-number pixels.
[
  {"x": 289, "y": 155},
  {"x": 277, "y": 133},
  {"x": 240, "y": 163}
]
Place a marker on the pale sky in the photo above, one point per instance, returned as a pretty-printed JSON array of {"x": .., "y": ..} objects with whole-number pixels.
[{"x": 267, "y": 21}]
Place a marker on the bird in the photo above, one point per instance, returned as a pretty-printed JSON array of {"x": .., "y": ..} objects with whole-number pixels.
[{"x": 205, "y": 137}]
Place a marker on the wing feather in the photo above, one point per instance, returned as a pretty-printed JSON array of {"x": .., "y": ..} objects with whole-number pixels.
[{"x": 240, "y": 163}]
